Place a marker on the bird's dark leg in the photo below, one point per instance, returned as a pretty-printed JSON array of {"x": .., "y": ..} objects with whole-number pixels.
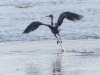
[
  {"x": 57, "y": 39},
  {"x": 60, "y": 38}
]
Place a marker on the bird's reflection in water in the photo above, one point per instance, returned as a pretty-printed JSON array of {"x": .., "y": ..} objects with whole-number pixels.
[
  {"x": 52, "y": 67},
  {"x": 57, "y": 68}
]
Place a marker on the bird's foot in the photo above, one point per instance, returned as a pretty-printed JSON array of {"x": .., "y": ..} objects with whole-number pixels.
[{"x": 58, "y": 42}]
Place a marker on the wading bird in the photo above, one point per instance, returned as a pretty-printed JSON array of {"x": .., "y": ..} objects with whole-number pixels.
[{"x": 54, "y": 28}]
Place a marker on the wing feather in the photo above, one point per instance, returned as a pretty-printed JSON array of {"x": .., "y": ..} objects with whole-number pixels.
[
  {"x": 69, "y": 15},
  {"x": 33, "y": 26},
  {"x": 73, "y": 16}
]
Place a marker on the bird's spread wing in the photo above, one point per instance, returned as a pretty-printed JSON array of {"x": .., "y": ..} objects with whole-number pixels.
[
  {"x": 73, "y": 16},
  {"x": 33, "y": 26},
  {"x": 69, "y": 15}
]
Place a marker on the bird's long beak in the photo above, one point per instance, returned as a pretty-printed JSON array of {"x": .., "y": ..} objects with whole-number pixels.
[{"x": 47, "y": 16}]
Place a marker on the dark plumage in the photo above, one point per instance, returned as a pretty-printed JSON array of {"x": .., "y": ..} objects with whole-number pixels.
[
  {"x": 54, "y": 28},
  {"x": 34, "y": 25},
  {"x": 68, "y": 15}
]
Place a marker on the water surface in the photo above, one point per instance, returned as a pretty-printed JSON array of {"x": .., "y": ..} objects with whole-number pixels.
[{"x": 37, "y": 53}]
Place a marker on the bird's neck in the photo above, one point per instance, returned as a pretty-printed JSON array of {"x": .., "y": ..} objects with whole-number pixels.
[{"x": 51, "y": 21}]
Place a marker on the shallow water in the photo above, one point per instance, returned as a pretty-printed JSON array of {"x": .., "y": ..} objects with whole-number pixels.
[
  {"x": 39, "y": 58},
  {"x": 37, "y": 53}
]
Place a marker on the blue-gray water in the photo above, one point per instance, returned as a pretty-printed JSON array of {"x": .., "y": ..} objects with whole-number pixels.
[
  {"x": 13, "y": 19},
  {"x": 37, "y": 53}
]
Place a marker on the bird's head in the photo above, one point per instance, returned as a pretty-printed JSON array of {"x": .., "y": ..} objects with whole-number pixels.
[{"x": 50, "y": 16}]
